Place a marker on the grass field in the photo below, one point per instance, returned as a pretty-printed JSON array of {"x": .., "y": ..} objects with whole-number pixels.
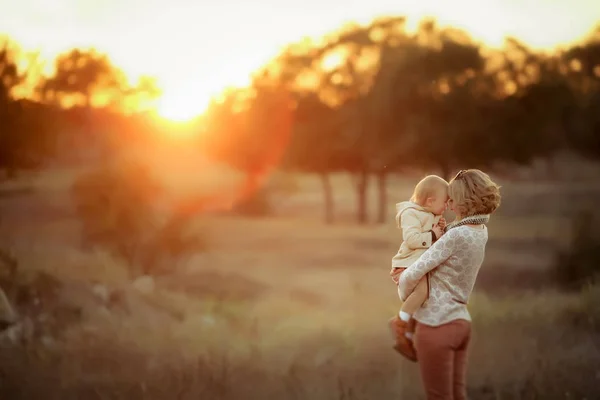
[{"x": 287, "y": 307}]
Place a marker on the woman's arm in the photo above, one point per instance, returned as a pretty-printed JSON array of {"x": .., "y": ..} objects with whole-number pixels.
[{"x": 432, "y": 258}]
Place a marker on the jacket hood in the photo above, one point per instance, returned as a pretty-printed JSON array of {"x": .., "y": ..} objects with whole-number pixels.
[{"x": 403, "y": 206}]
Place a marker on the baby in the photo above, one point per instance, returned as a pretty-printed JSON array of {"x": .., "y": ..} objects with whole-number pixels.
[{"x": 422, "y": 224}]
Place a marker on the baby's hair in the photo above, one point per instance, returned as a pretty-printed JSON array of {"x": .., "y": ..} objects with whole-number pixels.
[
  {"x": 427, "y": 188},
  {"x": 473, "y": 192}
]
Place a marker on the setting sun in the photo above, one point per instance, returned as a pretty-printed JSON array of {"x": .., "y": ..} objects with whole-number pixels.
[
  {"x": 184, "y": 99},
  {"x": 179, "y": 108}
]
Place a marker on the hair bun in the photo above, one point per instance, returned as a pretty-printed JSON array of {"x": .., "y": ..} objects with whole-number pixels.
[{"x": 491, "y": 200}]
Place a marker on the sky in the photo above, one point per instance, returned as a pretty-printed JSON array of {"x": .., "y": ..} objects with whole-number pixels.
[{"x": 197, "y": 47}]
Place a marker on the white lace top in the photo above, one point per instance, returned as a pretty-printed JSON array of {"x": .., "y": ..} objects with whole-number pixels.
[{"x": 452, "y": 264}]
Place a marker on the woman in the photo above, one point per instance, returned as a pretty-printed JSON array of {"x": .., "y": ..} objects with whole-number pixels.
[{"x": 443, "y": 327}]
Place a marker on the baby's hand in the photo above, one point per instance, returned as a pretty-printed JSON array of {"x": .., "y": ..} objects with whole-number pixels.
[
  {"x": 395, "y": 274},
  {"x": 442, "y": 223},
  {"x": 438, "y": 231}
]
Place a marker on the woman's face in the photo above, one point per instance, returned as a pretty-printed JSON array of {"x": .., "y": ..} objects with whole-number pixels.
[{"x": 453, "y": 208}]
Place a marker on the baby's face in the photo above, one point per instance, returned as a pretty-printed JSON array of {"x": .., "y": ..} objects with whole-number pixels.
[{"x": 439, "y": 202}]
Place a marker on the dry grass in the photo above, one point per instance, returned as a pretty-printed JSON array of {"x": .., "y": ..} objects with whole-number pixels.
[{"x": 286, "y": 307}]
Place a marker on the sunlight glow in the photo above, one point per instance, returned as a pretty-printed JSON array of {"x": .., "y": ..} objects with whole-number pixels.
[
  {"x": 193, "y": 45},
  {"x": 181, "y": 108},
  {"x": 332, "y": 61}
]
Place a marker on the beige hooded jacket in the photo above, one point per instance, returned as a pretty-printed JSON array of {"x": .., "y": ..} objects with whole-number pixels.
[{"x": 416, "y": 225}]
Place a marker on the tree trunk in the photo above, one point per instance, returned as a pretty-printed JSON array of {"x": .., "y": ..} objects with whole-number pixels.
[
  {"x": 362, "y": 185},
  {"x": 382, "y": 189},
  {"x": 327, "y": 197},
  {"x": 253, "y": 199}
]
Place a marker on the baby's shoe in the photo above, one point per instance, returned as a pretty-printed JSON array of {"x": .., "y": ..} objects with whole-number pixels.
[{"x": 402, "y": 344}]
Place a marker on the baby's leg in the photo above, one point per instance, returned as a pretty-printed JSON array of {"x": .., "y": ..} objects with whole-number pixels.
[
  {"x": 412, "y": 303},
  {"x": 416, "y": 299}
]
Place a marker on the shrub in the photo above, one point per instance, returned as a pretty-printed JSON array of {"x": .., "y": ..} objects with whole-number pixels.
[
  {"x": 585, "y": 313},
  {"x": 255, "y": 204},
  {"x": 113, "y": 204},
  {"x": 116, "y": 205},
  {"x": 580, "y": 262},
  {"x": 259, "y": 202},
  {"x": 172, "y": 241}
]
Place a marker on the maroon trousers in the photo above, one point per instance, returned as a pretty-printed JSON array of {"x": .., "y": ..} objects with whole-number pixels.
[{"x": 442, "y": 353}]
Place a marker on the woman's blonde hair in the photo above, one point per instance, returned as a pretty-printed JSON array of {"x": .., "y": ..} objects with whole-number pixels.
[
  {"x": 426, "y": 188},
  {"x": 473, "y": 193}
]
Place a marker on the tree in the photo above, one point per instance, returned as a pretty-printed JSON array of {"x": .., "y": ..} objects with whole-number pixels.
[
  {"x": 436, "y": 92},
  {"x": 315, "y": 145},
  {"x": 389, "y": 109},
  {"x": 370, "y": 100},
  {"x": 582, "y": 63},
  {"x": 87, "y": 78},
  {"x": 390, "y": 90},
  {"x": 83, "y": 78},
  {"x": 355, "y": 85},
  {"x": 250, "y": 130},
  {"x": 85, "y": 81},
  {"x": 25, "y": 126},
  {"x": 9, "y": 110}
]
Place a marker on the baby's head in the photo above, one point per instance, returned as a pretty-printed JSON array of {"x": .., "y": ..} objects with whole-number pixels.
[
  {"x": 431, "y": 193},
  {"x": 472, "y": 192}
]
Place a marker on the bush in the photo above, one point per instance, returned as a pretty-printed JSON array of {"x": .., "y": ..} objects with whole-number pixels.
[
  {"x": 259, "y": 202},
  {"x": 585, "y": 313},
  {"x": 116, "y": 205},
  {"x": 255, "y": 204},
  {"x": 32, "y": 298},
  {"x": 172, "y": 241},
  {"x": 580, "y": 263}
]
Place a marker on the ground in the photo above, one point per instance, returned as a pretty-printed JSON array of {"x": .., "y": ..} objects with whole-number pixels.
[{"x": 288, "y": 307}]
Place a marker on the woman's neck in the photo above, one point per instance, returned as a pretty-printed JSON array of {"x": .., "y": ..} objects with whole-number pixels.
[{"x": 471, "y": 220}]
